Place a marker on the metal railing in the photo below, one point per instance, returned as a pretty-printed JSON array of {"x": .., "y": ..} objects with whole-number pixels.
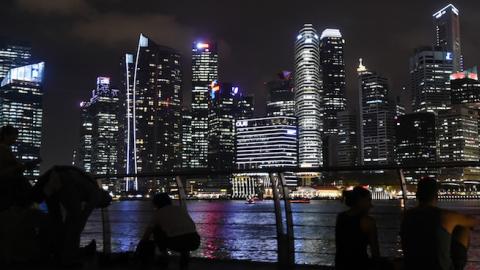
[{"x": 284, "y": 225}]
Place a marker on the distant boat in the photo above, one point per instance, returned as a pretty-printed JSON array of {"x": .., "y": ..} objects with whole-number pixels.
[
  {"x": 250, "y": 201},
  {"x": 304, "y": 200}
]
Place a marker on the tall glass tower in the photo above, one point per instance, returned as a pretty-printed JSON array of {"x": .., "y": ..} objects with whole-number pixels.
[
  {"x": 281, "y": 95},
  {"x": 21, "y": 92},
  {"x": 204, "y": 72},
  {"x": 447, "y": 30},
  {"x": 333, "y": 70},
  {"x": 153, "y": 89},
  {"x": 100, "y": 132},
  {"x": 308, "y": 96}
]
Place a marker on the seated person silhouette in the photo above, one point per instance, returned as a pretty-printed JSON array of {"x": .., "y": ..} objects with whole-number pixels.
[
  {"x": 172, "y": 228},
  {"x": 356, "y": 231},
  {"x": 434, "y": 238},
  {"x": 71, "y": 196}
]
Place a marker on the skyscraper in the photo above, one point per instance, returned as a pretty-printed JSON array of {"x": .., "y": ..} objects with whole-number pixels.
[
  {"x": 416, "y": 143},
  {"x": 21, "y": 92},
  {"x": 447, "y": 30},
  {"x": 466, "y": 88},
  {"x": 377, "y": 114},
  {"x": 221, "y": 122},
  {"x": 333, "y": 70},
  {"x": 347, "y": 139},
  {"x": 186, "y": 138},
  {"x": 153, "y": 108},
  {"x": 458, "y": 140},
  {"x": 204, "y": 72},
  {"x": 308, "y": 96},
  {"x": 101, "y": 138},
  {"x": 430, "y": 70},
  {"x": 281, "y": 95},
  {"x": 12, "y": 56}
]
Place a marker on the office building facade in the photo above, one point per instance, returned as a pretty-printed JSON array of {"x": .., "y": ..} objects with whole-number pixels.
[
  {"x": 268, "y": 142},
  {"x": 430, "y": 70},
  {"x": 416, "y": 144},
  {"x": 281, "y": 95},
  {"x": 447, "y": 32},
  {"x": 153, "y": 85},
  {"x": 308, "y": 97},
  {"x": 204, "y": 72},
  {"x": 377, "y": 130},
  {"x": 101, "y": 133},
  {"x": 21, "y": 99},
  {"x": 333, "y": 70},
  {"x": 465, "y": 88}
]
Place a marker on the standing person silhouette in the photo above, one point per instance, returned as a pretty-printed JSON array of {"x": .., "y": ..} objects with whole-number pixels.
[
  {"x": 355, "y": 232},
  {"x": 434, "y": 238},
  {"x": 15, "y": 187}
]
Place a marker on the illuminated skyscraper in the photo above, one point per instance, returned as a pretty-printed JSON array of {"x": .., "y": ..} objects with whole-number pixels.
[
  {"x": 221, "y": 122},
  {"x": 447, "y": 29},
  {"x": 153, "y": 79},
  {"x": 377, "y": 115},
  {"x": 281, "y": 95},
  {"x": 348, "y": 149},
  {"x": 458, "y": 140},
  {"x": 186, "y": 138},
  {"x": 308, "y": 96},
  {"x": 333, "y": 70},
  {"x": 101, "y": 138},
  {"x": 204, "y": 72},
  {"x": 12, "y": 56},
  {"x": 430, "y": 70},
  {"x": 466, "y": 88},
  {"x": 21, "y": 92}
]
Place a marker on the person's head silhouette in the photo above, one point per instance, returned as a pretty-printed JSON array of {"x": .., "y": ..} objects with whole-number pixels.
[
  {"x": 427, "y": 191},
  {"x": 161, "y": 200},
  {"x": 359, "y": 199}
]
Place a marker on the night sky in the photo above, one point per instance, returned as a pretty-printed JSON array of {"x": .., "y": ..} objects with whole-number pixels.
[{"x": 80, "y": 40}]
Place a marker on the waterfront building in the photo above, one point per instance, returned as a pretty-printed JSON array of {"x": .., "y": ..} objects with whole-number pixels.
[
  {"x": 458, "y": 140},
  {"x": 153, "y": 85},
  {"x": 281, "y": 95},
  {"x": 21, "y": 96},
  {"x": 430, "y": 70},
  {"x": 466, "y": 88},
  {"x": 416, "y": 144},
  {"x": 377, "y": 130},
  {"x": 447, "y": 31},
  {"x": 308, "y": 97},
  {"x": 101, "y": 137},
  {"x": 268, "y": 142},
  {"x": 204, "y": 72},
  {"x": 333, "y": 77}
]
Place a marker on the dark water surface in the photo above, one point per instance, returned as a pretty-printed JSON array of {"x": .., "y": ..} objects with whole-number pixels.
[{"x": 233, "y": 229}]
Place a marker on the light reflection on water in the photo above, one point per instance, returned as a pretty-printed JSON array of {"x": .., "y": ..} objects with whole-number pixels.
[{"x": 233, "y": 229}]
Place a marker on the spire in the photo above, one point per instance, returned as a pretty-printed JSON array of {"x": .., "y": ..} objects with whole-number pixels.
[{"x": 361, "y": 68}]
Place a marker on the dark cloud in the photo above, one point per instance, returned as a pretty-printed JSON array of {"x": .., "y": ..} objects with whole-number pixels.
[{"x": 48, "y": 7}]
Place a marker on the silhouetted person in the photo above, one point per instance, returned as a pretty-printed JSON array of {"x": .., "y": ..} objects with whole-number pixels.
[
  {"x": 14, "y": 186},
  {"x": 434, "y": 238},
  {"x": 355, "y": 231},
  {"x": 71, "y": 196},
  {"x": 172, "y": 228}
]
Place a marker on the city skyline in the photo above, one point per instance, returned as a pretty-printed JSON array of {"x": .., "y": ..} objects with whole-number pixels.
[{"x": 231, "y": 67}]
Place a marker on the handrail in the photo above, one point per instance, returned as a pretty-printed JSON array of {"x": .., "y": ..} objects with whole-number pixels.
[
  {"x": 295, "y": 169},
  {"x": 285, "y": 238}
]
